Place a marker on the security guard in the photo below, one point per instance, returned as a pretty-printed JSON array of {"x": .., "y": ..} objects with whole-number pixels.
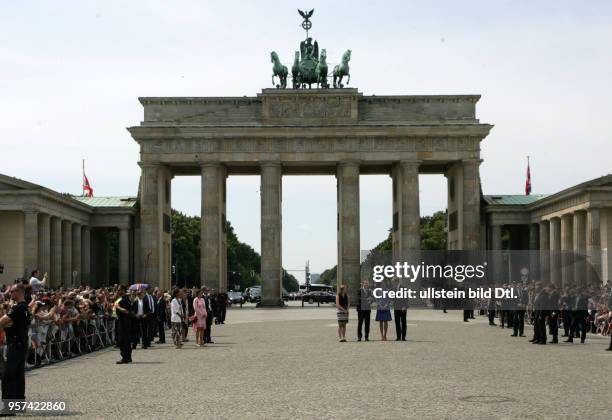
[
  {"x": 124, "y": 315},
  {"x": 15, "y": 323}
]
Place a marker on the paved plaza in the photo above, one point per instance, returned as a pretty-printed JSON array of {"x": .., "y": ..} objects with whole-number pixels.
[{"x": 286, "y": 363}]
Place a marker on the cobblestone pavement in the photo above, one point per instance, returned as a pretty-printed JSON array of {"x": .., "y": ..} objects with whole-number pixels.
[{"x": 288, "y": 364}]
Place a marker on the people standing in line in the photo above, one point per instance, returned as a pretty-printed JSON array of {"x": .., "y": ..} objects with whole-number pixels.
[
  {"x": 160, "y": 311},
  {"x": 124, "y": 317},
  {"x": 364, "y": 311},
  {"x": 521, "y": 301},
  {"x": 177, "y": 315},
  {"x": 553, "y": 308},
  {"x": 15, "y": 325},
  {"x": 400, "y": 307},
  {"x": 342, "y": 312},
  {"x": 199, "y": 318},
  {"x": 580, "y": 313},
  {"x": 383, "y": 316},
  {"x": 209, "y": 317}
]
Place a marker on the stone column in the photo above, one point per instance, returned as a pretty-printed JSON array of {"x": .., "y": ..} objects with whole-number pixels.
[
  {"x": 579, "y": 247},
  {"x": 124, "y": 256},
  {"x": 271, "y": 234},
  {"x": 44, "y": 243},
  {"x": 406, "y": 238},
  {"x": 471, "y": 205},
  {"x": 155, "y": 228},
  {"x": 76, "y": 253},
  {"x": 349, "y": 251},
  {"x": 213, "y": 270},
  {"x": 593, "y": 246},
  {"x": 534, "y": 245},
  {"x": 56, "y": 252},
  {"x": 555, "y": 251},
  {"x": 86, "y": 255},
  {"x": 544, "y": 251},
  {"x": 496, "y": 246},
  {"x": 30, "y": 242},
  {"x": 567, "y": 245},
  {"x": 67, "y": 253}
]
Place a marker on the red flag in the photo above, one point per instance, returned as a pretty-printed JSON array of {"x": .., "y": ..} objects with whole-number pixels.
[
  {"x": 87, "y": 190},
  {"x": 528, "y": 182}
]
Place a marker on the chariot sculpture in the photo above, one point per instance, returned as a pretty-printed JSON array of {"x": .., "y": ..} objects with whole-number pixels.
[{"x": 309, "y": 67}]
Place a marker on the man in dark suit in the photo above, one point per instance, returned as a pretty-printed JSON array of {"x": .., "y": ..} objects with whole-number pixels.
[
  {"x": 160, "y": 311},
  {"x": 141, "y": 308},
  {"x": 491, "y": 310},
  {"x": 580, "y": 313},
  {"x": 222, "y": 306},
  {"x": 124, "y": 316},
  {"x": 150, "y": 315},
  {"x": 521, "y": 300},
  {"x": 553, "y": 318},
  {"x": 364, "y": 300},
  {"x": 566, "y": 302},
  {"x": 539, "y": 307},
  {"x": 209, "y": 318},
  {"x": 400, "y": 307}
]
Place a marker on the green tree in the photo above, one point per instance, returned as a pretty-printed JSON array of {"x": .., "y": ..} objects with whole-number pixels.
[{"x": 243, "y": 263}]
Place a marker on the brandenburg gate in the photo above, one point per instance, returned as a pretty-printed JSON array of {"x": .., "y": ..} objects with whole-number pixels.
[
  {"x": 320, "y": 131},
  {"x": 331, "y": 130}
]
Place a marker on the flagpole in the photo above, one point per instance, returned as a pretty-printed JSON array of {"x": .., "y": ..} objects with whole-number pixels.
[{"x": 83, "y": 180}]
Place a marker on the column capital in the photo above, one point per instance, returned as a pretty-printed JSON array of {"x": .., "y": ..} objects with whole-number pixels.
[
  {"x": 215, "y": 164},
  {"x": 410, "y": 162},
  {"x": 151, "y": 165},
  {"x": 476, "y": 162},
  {"x": 270, "y": 163},
  {"x": 349, "y": 163}
]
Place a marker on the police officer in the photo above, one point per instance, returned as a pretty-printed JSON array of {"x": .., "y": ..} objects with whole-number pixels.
[
  {"x": 15, "y": 323},
  {"x": 124, "y": 316}
]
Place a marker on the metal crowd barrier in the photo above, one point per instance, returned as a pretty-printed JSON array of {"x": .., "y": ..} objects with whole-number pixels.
[{"x": 50, "y": 343}]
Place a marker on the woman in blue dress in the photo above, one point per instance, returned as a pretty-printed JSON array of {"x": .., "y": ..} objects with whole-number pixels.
[{"x": 383, "y": 315}]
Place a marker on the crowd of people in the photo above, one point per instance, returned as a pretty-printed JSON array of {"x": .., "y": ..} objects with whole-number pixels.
[
  {"x": 575, "y": 311},
  {"x": 67, "y": 322}
]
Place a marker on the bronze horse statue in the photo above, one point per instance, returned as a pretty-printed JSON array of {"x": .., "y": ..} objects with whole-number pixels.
[
  {"x": 321, "y": 70},
  {"x": 295, "y": 71},
  {"x": 278, "y": 70},
  {"x": 342, "y": 70}
]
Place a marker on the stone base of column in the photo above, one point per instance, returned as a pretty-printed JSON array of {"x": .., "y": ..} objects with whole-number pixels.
[{"x": 271, "y": 303}]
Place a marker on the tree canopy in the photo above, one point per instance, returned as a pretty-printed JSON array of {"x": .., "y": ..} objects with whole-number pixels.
[{"x": 243, "y": 263}]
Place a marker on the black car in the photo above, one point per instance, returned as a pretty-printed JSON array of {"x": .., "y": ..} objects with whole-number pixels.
[{"x": 318, "y": 297}]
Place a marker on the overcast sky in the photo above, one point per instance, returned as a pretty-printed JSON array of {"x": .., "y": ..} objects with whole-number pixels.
[{"x": 71, "y": 72}]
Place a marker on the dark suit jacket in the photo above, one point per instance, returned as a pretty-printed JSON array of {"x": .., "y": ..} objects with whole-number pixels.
[
  {"x": 362, "y": 303},
  {"x": 160, "y": 308},
  {"x": 147, "y": 308}
]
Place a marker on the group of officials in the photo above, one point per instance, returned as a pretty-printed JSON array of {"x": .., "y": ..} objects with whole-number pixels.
[
  {"x": 365, "y": 299},
  {"x": 547, "y": 306},
  {"x": 142, "y": 316}
]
